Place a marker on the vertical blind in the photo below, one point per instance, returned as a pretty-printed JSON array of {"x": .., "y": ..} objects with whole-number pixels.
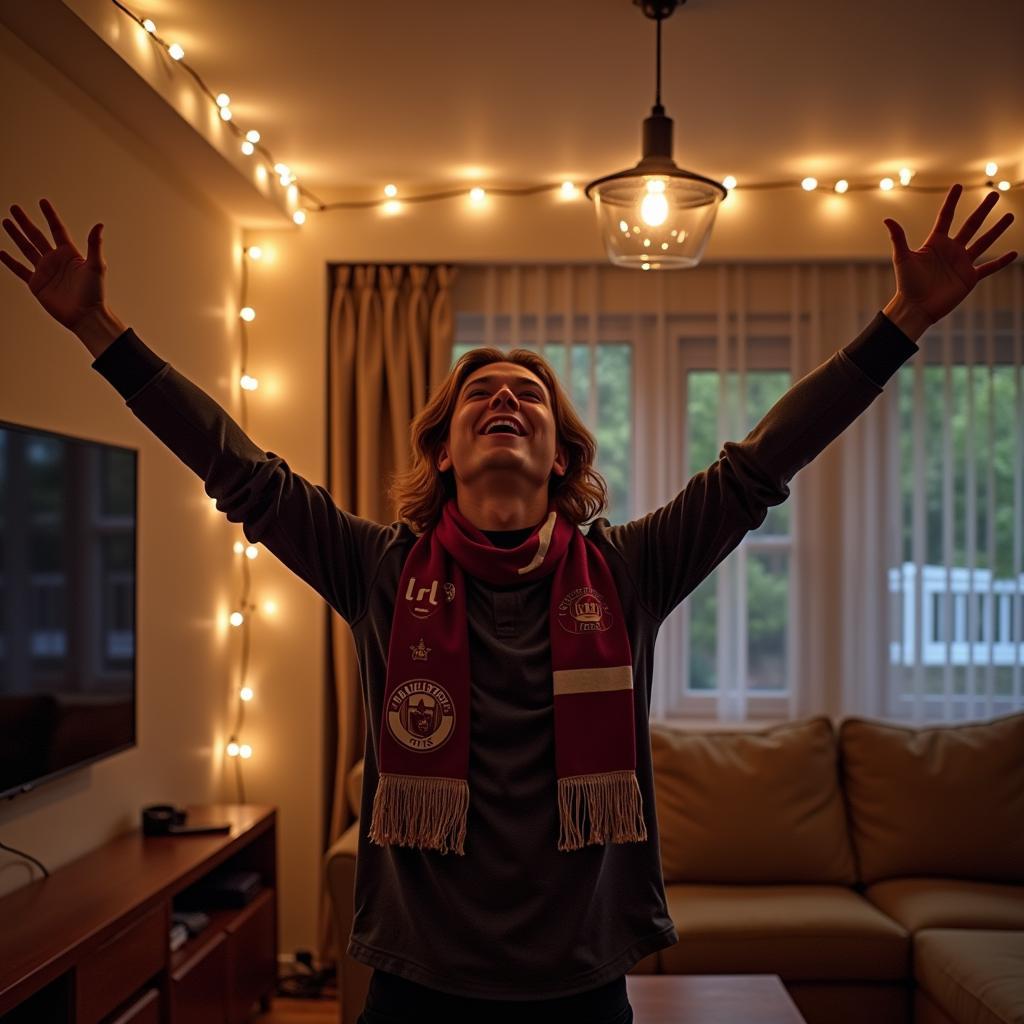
[{"x": 891, "y": 582}]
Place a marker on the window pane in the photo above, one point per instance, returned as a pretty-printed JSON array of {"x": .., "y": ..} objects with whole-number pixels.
[{"x": 767, "y": 607}]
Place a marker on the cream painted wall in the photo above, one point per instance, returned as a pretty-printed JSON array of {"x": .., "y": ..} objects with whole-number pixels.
[{"x": 173, "y": 274}]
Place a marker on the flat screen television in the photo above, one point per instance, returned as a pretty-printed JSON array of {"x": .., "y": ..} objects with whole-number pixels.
[{"x": 67, "y": 604}]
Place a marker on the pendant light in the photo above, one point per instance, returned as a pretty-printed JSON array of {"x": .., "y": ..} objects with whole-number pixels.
[{"x": 656, "y": 216}]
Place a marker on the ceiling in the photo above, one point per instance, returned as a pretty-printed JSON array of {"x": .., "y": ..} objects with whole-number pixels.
[{"x": 357, "y": 94}]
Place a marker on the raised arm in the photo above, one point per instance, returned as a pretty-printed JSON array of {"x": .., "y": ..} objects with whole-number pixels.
[
  {"x": 334, "y": 551},
  {"x": 671, "y": 550}
]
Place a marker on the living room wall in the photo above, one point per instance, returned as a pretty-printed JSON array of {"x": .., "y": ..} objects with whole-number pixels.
[{"x": 173, "y": 274}]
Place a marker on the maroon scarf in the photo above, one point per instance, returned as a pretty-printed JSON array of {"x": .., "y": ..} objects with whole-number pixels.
[{"x": 423, "y": 794}]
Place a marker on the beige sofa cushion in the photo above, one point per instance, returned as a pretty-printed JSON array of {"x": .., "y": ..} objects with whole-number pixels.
[
  {"x": 919, "y": 903},
  {"x": 751, "y": 807},
  {"x": 944, "y": 800},
  {"x": 822, "y": 932},
  {"x": 976, "y": 977}
]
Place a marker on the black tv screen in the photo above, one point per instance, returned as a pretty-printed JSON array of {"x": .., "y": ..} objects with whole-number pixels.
[{"x": 67, "y": 603}]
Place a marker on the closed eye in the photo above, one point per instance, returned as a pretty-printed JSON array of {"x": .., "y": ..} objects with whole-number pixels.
[{"x": 528, "y": 394}]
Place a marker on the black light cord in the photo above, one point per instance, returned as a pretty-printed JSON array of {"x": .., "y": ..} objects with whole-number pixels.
[{"x": 27, "y": 856}]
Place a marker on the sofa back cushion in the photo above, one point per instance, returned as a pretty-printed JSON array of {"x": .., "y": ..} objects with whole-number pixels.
[
  {"x": 751, "y": 807},
  {"x": 944, "y": 800}
]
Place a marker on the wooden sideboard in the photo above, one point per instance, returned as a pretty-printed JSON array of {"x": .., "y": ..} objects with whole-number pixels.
[{"x": 91, "y": 944}]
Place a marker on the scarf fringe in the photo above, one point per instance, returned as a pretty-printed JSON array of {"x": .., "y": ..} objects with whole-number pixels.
[
  {"x": 614, "y": 803},
  {"x": 424, "y": 811}
]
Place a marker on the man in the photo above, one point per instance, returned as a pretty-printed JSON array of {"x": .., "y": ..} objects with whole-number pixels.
[{"x": 508, "y": 864}]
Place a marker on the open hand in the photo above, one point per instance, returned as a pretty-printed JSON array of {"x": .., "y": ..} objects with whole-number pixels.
[
  {"x": 937, "y": 277},
  {"x": 66, "y": 285}
]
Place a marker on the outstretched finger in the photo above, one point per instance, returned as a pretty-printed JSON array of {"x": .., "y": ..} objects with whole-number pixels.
[
  {"x": 34, "y": 235},
  {"x": 945, "y": 217},
  {"x": 990, "y": 268},
  {"x": 977, "y": 248},
  {"x": 22, "y": 271},
  {"x": 21, "y": 242},
  {"x": 963, "y": 236},
  {"x": 60, "y": 233}
]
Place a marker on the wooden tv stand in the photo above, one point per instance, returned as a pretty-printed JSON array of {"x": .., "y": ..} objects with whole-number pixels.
[{"x": 90, "y": 944}]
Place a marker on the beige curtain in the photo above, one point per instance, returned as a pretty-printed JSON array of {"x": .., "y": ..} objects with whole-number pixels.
[{"x": 390, "y": 337}]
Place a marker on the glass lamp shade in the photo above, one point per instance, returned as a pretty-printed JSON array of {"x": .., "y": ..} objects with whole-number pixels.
[
  {"x": 654, "y": 221},
  {"x": 656, "y": 216}
]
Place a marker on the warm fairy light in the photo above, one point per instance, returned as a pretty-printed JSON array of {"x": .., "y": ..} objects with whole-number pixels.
[
  {"x": 254, "y": 252},
  {"x": 809, "y": 184},
  {"x": 236, "y": 618},
  {"x": 251, "y": 551},
  {"x": 225, "y": 113},
  {"x": 247, "y": 313},
  {"x": 245, "y": 750},
  {"x": 1003, "y": 186},
  {"x": 991, "y": 168},
  {"x": 842, "y": 185},
  {"x": 885, "y": 184},
  {"x": 247, "y": 148},
  {"x": 392, "y": 206},
  {"x": 905, "y": 175},
  {"x": 477, "y": 195},
  {"x": 299, "y": 216},
  {"x": 223, "y": 99},
  {"x": 390, "y": 190},
  {"x": 248, "y": 383},
  {"x": 149, "y": 25},
  {"x": 569, "y": 190},
  {"x": 245, "y": 693},
  {"x": 252, "y": 135},
  {"x": 176, "y": 51},
  {"x": 729, "y": 182},
  {"x": 232, "y": 749}
]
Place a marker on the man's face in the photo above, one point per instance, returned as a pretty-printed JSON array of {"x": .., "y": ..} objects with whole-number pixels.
[{"x": 530, "y": 454}]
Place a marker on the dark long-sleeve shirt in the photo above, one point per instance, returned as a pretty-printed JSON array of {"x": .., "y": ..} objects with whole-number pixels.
[{"x": 513, "y": 918}]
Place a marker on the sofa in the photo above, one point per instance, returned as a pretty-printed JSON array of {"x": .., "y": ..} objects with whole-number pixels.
[{"x": 878, "y": 869}]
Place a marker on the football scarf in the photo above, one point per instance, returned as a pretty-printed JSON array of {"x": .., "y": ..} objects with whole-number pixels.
[{"x": 422, "y": 797}]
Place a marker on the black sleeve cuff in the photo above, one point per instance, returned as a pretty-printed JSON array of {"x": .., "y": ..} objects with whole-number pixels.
[
  {"x": 128, "y": 363},
  {"x": 881, "y": 349}
]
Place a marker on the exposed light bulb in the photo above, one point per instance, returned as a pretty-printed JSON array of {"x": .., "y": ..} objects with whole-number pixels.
[
  {"x": 245, "y": 693},
  {"x": 248, "y": 383},
  {"x": 281, "y": 169},
  {"x": 729, "y": 182},
  {"x": 225, "y": 113},
  {"x": 238, "y": 547},
  {"x": 236, "y": 618},
  {"x": 809, "y": 184},
  {"x": 645, "y": 266},
  {"x": 299, "y": 216},
  {"x": 477, "y": 195},
  {"x": 247, "y": 148},
  {"x": 149, "y": 25},
  {"x": 232, "y": 749},
  {"x": 991, "y": 168},
  {"x": 623, "y": 227},
  {"x": 255, "y": 252},
  {"x": 247, "y": 313},
  {"x": 390, "y": 190},
  {"x": 569, "y": 190},
  {"x": 905, "y": 175},
  {"x": 885, "y": 184},
  {"x": 252, "y": 135},
  {"x": 842, "y": 185},
  {"x": 654, "y": 209},
  {"x": 251, "y": 551},
  {"x": 1003, "y": 186},
  {"x": 223, "y": 99},
  {"x": 245, "y": 750},
  {"x": 176, "y": 51}
]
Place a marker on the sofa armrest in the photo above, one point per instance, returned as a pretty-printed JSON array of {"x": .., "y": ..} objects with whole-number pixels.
[{"x": 340, "y": 876}]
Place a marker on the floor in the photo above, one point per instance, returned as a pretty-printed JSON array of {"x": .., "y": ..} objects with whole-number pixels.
[{"x": 299, "y": 1011}]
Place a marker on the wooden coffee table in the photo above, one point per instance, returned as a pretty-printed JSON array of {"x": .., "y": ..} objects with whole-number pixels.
[{"x": 710, "y": 999}]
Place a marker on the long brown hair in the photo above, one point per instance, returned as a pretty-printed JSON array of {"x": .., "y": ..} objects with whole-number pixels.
[{"x": 419, "y": 493}]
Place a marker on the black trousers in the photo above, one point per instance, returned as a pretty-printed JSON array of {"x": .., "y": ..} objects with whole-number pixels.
[{"x": 393, "y": 999}]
